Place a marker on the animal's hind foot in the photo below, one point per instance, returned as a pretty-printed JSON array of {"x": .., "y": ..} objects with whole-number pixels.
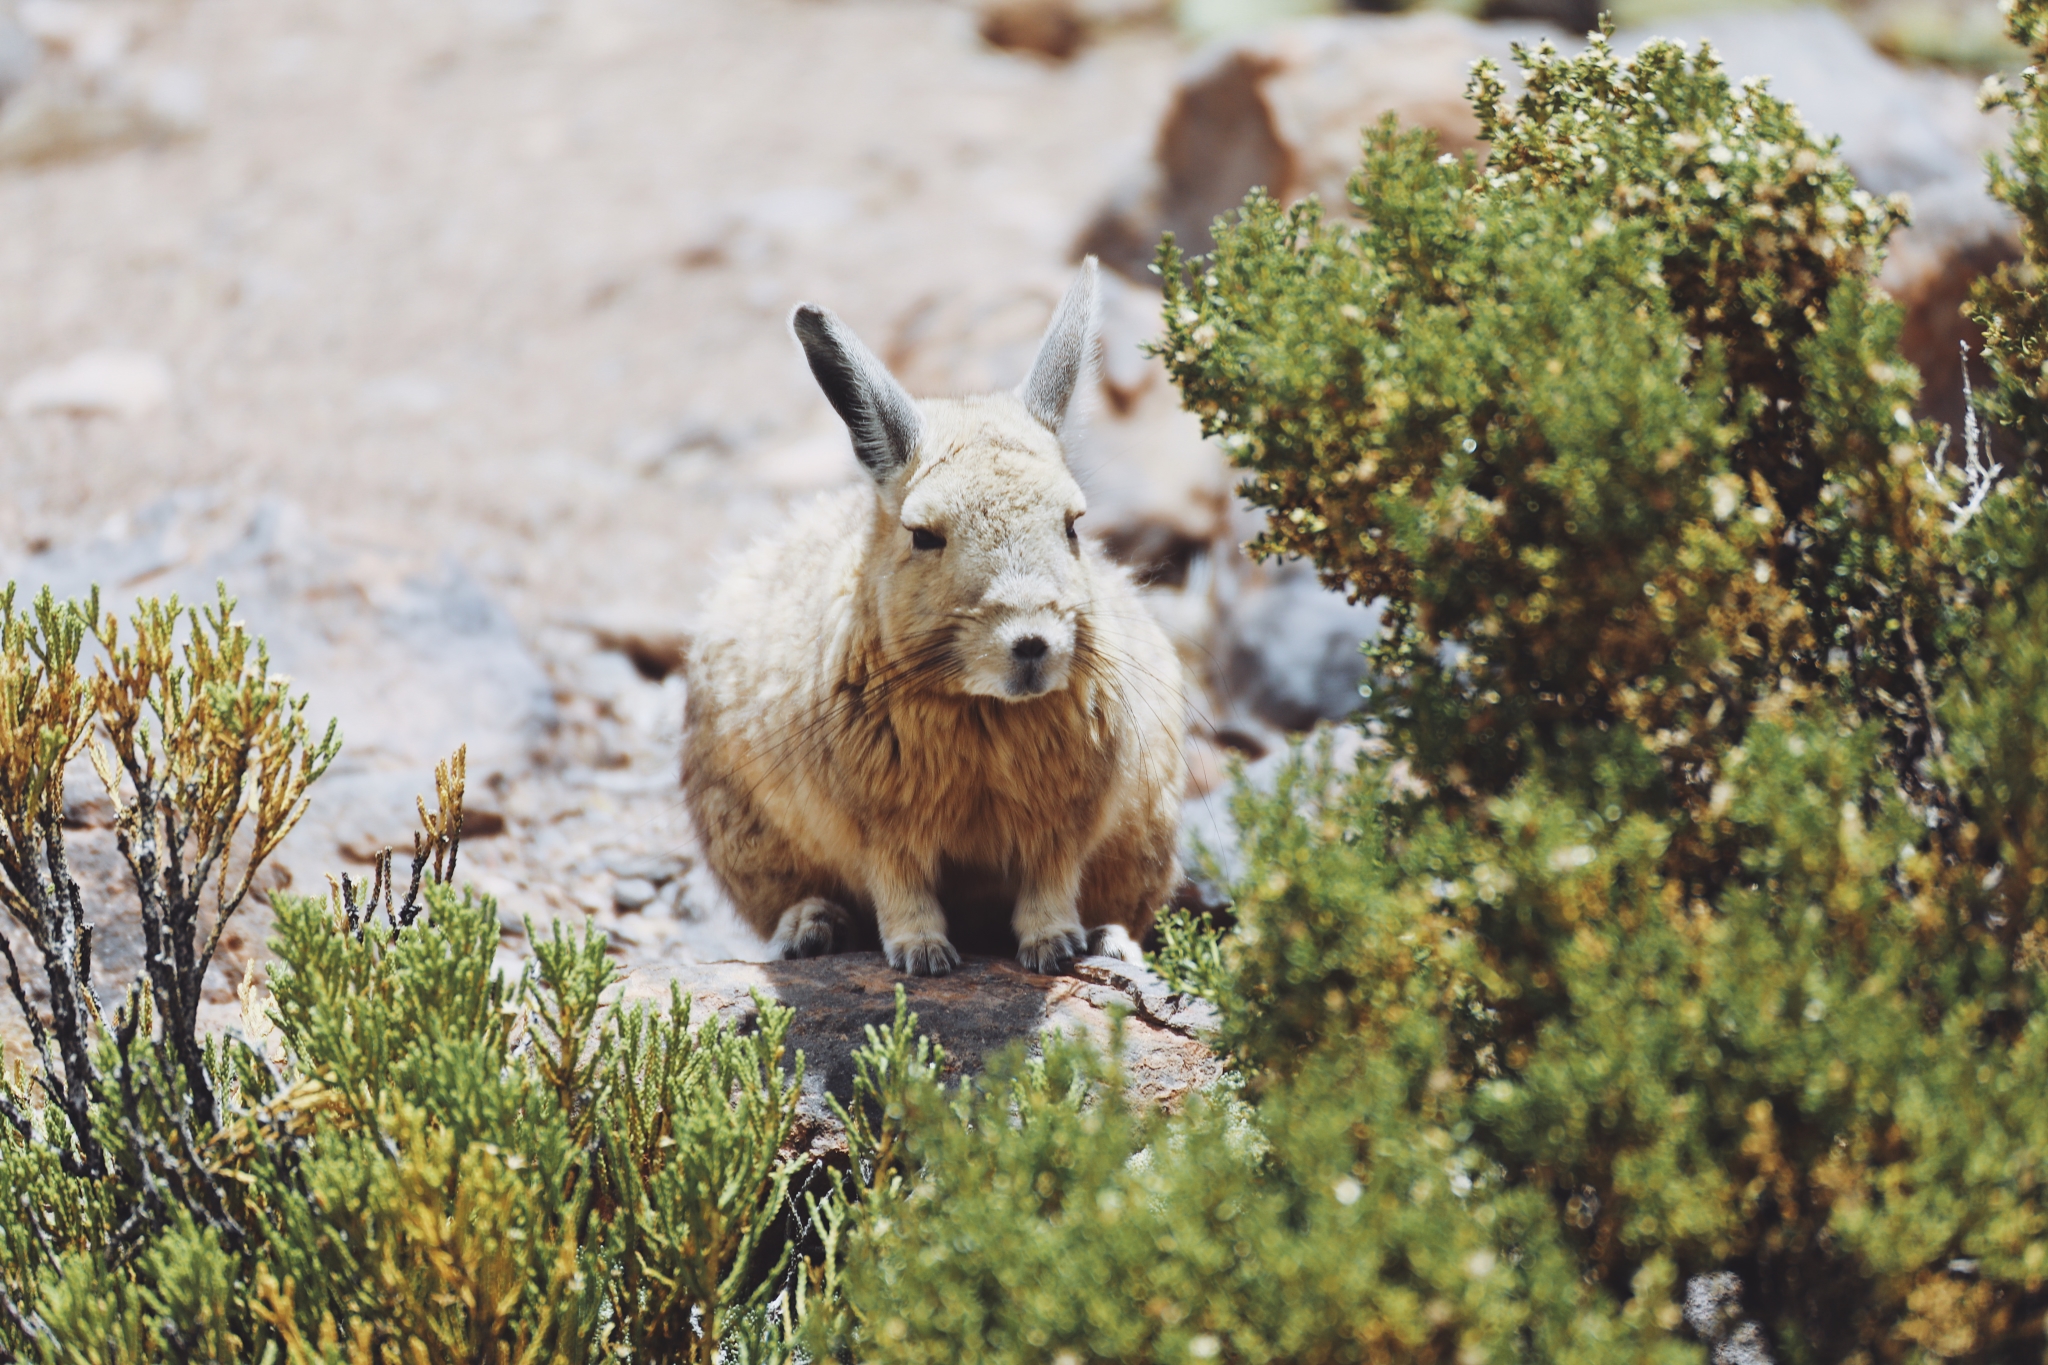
[
  {"x": 927, "y": 955},
  {"x": 1051, "y": 954},
  {"x": 1113, "y": 940},
  {"x": 813, "y": 927}
]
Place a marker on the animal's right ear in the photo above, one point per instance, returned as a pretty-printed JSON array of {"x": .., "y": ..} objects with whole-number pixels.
[
  {"x": 1068, "y": 352},
  {"x": 882, "y": 418}
]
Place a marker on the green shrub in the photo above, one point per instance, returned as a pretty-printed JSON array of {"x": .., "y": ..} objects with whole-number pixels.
[
  {"x": 1685, "y": 918},
  {"x": 433, "y": 1164},
  {"x": 1618, "y": 412}
]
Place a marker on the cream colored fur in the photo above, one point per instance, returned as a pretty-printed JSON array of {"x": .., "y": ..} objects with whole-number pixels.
[{"x": 914, "y": 736}]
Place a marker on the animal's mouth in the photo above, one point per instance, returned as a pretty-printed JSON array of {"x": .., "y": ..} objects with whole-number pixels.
[
  {"x": 1038, "y": 658},
  {"x": 1030, "y": 678},
  {"x": 1019, "y": 659}
]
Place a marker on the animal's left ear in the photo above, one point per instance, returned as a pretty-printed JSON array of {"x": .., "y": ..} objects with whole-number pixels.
[{"x": 1067, "y": 354}]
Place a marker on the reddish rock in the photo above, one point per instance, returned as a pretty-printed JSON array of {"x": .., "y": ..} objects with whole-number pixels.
[
  {"x": 983, "y": 1007},
  {"x": 1044, "y": 28},
  {"x": 1284, "y": 109}
]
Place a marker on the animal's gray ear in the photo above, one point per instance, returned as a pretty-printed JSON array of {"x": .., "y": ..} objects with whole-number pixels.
[
  {"x": 1067, "y": 353},
  {"x": 881, "y": 417}
]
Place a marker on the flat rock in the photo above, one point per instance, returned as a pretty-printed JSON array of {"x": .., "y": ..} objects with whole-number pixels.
[{"x": 984, "y": 1006}]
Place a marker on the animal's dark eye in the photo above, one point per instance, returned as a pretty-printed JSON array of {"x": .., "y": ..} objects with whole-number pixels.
[{"x": 923, "y": 538}]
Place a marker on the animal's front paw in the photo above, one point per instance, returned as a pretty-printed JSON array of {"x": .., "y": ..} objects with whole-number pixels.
[
  {"x": 927, "y": 956},
  {"x": 1050, "y": 954},
  {"x": 1113, "y": 940},
  {"x": 813, "y": 927}
]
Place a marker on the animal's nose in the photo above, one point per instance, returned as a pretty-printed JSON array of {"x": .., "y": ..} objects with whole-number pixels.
[{"x": 1028, "y": 648}]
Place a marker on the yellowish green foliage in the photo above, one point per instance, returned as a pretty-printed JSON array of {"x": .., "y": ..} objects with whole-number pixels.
[{"x": 425, "y": 1161}]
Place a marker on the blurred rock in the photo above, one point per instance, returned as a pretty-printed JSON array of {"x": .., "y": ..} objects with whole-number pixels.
[
  {"x": 973, "y": 342},
  {"x": 402, "y": 397},
  {"x": 657, "y": 870},
  {"x": 1210, "y": 852},
  {"x": 18, "y": 53},
  {"x": 1959, "y": 235},
  {"x": 1058, "y": 29},
  {"x": 1155, "y": 489},
  {"x": 64, "y": 112},
  {"x": 1044, "y": 28},
  {"x": 1965, "y": 35},
  {"x": 983, "y": 1007},
  {"x": 1291, "y": 649},
  {"x": 412, "y": 665},
  {"x": 1284, "y": 109},
  {"x": 631, "y": 894},
  {"x": 87, "y": 95},
  {"x": 654, "y": 651},
  {"x": 93, "y": 37},
  {"x": 1103, "y": 14},
  {"x": 1573, "y": 16},
  {"x": 103, "y": 383},
  {"x": 1208, "y": 19}
]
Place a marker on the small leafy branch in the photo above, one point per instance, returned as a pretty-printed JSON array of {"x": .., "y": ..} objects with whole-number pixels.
[
  {"x": 436, "y": 845},
  {"x": 46, "y": 713},
  {"x": 206, "y": 758}
]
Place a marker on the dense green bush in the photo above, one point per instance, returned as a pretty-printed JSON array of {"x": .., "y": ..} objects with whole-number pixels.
[{"x": 1671, "y": 967}]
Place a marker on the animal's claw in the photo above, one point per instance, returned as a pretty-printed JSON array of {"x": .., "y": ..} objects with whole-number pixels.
[
  {"x": 813, "y": 928},
  {"x": 1054, "y": 953},
  {"x": 924, "y": 957}
]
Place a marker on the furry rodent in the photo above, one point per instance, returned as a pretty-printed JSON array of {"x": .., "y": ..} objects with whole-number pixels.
[{"x": 929, "y": 703}]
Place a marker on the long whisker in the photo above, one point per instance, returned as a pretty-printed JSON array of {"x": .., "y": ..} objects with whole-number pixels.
[{"x": 1116, "y": 678}]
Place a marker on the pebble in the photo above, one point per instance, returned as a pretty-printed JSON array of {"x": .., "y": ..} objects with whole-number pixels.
[
  {"x": 101, "y": 383},
  {"x": 632, "y": 893},
  {"x": 657, "y": 868}
]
